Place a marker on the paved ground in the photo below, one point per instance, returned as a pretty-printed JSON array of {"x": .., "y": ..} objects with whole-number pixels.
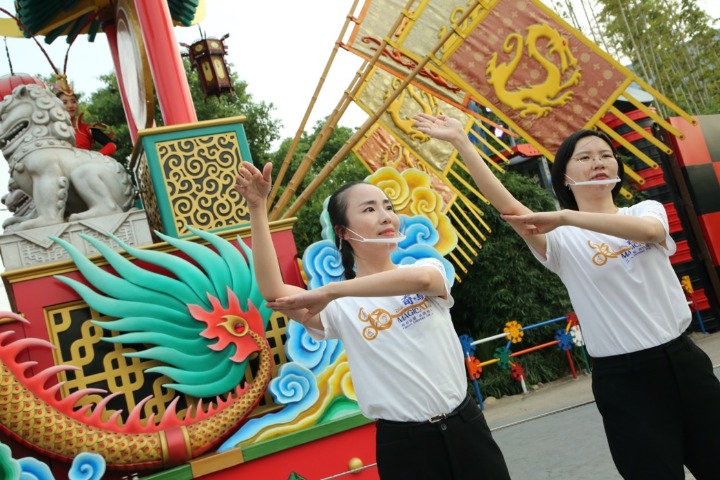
[{"x": 555, "y": 431}]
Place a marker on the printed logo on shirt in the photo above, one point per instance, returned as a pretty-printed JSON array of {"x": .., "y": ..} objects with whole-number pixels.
[
  {"x": 416, "y": 307},
  {"x": 603, "y": 253},
  {"x": 633, "y": 250}
]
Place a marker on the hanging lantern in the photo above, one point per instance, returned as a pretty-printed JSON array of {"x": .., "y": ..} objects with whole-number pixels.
[{"x": 207, "y": 56}]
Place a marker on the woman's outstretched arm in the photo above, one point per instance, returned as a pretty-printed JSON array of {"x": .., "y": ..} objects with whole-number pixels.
[
  {"x": 426, "y": 280},
  {"x": 645, "y": 229},
  {"x": 451, "y": 130}
]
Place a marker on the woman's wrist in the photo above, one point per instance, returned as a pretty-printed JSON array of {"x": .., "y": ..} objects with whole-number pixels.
[
  {"x": 566, "y": 217},
  {"x": 332, "y": 290},
  {"x": 460, "y": 140},
  {"x": 260, "y": 205}
]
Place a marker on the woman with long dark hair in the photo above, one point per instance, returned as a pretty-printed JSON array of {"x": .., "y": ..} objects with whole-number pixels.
[
  {"x": 655, "y": 389},
  {"x": 405, "y": 358}
]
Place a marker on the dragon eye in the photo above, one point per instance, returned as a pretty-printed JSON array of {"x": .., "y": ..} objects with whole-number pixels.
[
  {"x": 240, "y": 327},
  {"x": 235, "y": 325}
]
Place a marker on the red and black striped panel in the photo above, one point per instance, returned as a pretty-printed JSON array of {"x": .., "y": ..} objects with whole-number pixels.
[
  {"x": 659, "y": 184},
  {"x": 699, "y": 156}
]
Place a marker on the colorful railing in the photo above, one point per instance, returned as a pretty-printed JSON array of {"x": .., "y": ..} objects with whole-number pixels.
[{"x": 565, "y": 339}]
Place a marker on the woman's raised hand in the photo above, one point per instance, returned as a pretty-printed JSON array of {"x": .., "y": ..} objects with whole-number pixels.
[
  {"x": 253, "y": 184},
  {"x": 441, "y": 127}
]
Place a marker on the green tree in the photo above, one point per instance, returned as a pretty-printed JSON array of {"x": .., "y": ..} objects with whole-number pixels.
[
  {"x": 672, "y": 44},
  {"x": 261, "y": 129},
  {"x": 507, "y": 283},
  {"x": 105, "y": 106},
  {"x": 307, "y": 229}
]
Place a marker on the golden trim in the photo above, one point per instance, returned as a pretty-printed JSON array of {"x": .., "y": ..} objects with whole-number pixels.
[
  {"x": 217, "y": 122},
  {"x": 191, "y": 126},
  {"x": 458, "y": 263},
  {"x": 633, "y": 149},
  {"x": 78, "y": 11},
  {"x": 647, "y": 136},
  {"x": 164, "y": 448},
  {"x": 188, "y": 442},
  {"x": 650, "y": 112},
  {"x": 667, "y": 102},
  {"x": 8, "y": 320},
  {"x": 488, "y": 144},
  {"x": 216, "y": 462},
  {"x": 472, "y": 224}
]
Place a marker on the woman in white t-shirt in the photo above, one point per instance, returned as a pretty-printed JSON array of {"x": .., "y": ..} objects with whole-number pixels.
[
  {"x": 654, "y": 388},
  {"x": 394, "y": 320}
]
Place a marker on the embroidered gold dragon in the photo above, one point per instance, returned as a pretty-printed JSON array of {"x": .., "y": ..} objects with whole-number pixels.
[{"x": 554, "y": 56}]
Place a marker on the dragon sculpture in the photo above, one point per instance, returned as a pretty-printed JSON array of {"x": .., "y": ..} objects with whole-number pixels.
[
  {"x": 203, "y": 324},
  {"x": 38, "y": 141}
]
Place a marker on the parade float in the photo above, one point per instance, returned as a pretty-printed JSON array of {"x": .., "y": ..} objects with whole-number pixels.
[{"x": 138, "y": 345}]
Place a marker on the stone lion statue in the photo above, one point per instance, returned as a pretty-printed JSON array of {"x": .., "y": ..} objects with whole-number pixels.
[{"x": 65, "y": 183}]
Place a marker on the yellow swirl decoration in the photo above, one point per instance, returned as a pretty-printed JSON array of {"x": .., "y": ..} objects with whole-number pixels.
[
  {"x": 412, "y": 194},
  {"x": 424, "y": 201},
  {"x": 395, "y": 187},
  {"x": 332, "y": 382}
]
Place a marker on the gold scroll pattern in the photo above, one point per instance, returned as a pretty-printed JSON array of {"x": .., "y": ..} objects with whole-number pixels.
[
  {"x": 199, "y": 175},
  {"x": 147, "y": 194}
]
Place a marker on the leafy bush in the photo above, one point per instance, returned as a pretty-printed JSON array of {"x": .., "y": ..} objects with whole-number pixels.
[{"x": 508, "y": 283}]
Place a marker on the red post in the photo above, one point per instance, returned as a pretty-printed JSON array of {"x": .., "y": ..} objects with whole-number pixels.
[
  {"x": 572, "y": 365},
  {"x": 111, "y": 33},
  {"x": 165, "y": 61}
]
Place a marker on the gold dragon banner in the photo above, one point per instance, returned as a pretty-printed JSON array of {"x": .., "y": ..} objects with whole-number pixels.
[
  {"x": 542, "y": 76},
  {"x": 422, "y": 26},
  {"x": 380, "y": 84},
  {"x": 375, "y": 24},
  {"x": 517, "y": 57}
]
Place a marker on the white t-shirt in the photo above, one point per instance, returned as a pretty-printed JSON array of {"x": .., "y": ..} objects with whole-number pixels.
[
  {"x": 405, "y": 357},
  {"x": 626, "y": 294}
]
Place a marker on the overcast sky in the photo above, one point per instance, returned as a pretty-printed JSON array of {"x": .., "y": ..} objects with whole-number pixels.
[{"x": 279, "y": 48}]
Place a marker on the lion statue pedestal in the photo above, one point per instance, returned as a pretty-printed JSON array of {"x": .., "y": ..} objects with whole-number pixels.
[{"x": 33, "y": 247}]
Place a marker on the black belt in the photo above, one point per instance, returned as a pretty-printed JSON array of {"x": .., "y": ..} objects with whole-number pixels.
[
  {"x": 466, "y": 409},
  {"x": 651, "y": 353}
]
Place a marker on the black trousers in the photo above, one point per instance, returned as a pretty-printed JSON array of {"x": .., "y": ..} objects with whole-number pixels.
[
  {"x": 661, "y": 410},
  {"x": 459, "y": 447}
]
